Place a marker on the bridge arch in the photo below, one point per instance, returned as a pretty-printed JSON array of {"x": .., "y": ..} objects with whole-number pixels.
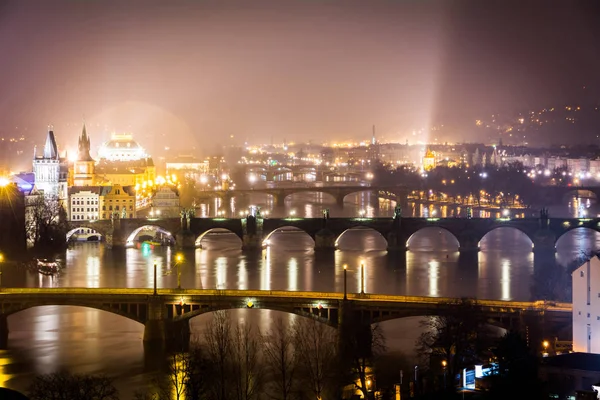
[
  {"x": 329, "y": 197},
  {"x": 580, "y": 239},
  {"x": 497, "y": 229},
  {"x": 583, "y": 193},
  {"x": 287, "y": 229},
  {"x": 379, "y": 241},
  {"x": 443, "y": 235},
  {"x": 131, "y": 311},
  {"x": 165, "y": 236},
  {"x": 87, "y": 232},
  {"x": 216, "y": 232}
]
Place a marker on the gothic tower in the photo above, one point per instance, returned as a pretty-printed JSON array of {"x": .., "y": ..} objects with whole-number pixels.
[
  {"x": 84, "y": 166},
  {"x": 46, "y": 168}
]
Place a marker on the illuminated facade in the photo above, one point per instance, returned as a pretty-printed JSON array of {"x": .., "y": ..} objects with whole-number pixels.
[
  {"x": 586, "y": 307},
  {"x": 117, "y": 202},
  {"x": 429, "y": 160},
  {"x": 84, "y": 165},
  {"x": 165, "y": 203},
  {"x": 121, "y": 148},
  {"x": 124, "y": 162},
  {"x": 50, "y": 171},
  {"x": 84, "y": 203}
]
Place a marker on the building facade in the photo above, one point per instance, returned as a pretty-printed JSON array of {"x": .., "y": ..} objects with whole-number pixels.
[
  {"x": 165, "y": 203},
  {"x": 117, "y": 202},
  {"x": 84, "y": 165},
  {"x": 586, "y": 307},
  {"x": 84, "y": 203}
]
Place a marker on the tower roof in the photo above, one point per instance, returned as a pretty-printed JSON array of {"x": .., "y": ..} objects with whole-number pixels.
[
  {"x": 50, "y": 148},
  {"x": 83, "y": 149}
]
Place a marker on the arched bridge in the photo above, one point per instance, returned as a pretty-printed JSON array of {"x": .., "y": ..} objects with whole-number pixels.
[
  {"x": 166, "y": 313},
  {"x": 543, "y": 233},
  {"x": 279, "y": 194}
]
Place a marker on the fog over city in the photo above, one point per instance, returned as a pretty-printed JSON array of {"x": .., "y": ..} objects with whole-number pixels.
[{"x": 298, "y": 70}]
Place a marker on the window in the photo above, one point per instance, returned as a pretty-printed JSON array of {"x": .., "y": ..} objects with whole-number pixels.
[
  {"x": 581, "y": 274},
  {"x": 117, "y": 208},
  {"x": 109, "y": 208},
  {"x": 104, "y": 209}
]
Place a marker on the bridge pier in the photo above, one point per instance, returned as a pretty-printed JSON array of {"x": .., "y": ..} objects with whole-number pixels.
[
  {"x": 185, "y": 240},
  {"x": 325, "y": 240},
  {"x": 468, "y": 244},
  {"x": 396, "y": 242},
  {"x": 278, "y": 200},
  {"x": 252, "y": 241},
  {"x": 160, "y": 330},
  {"x": 339, "y": 200},
  {"x": 3, "y": 332}
]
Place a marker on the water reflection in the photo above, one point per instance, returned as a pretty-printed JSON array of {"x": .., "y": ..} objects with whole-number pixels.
[{"x": 47, "y": 339}]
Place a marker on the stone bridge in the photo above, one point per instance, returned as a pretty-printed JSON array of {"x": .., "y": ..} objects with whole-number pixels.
[
  {"x": 166, "y": 313},
  {"x": 255, "y": 232},
  {"x": 279, "y": 194}
]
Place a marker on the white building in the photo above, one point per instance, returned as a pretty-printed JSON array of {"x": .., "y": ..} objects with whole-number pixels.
[
  {"x": 84, "y": 203},
  {"x": 46, "y": 168},
  {"x": 165, "y": 203},
  {"x": 586, "y": 307}
]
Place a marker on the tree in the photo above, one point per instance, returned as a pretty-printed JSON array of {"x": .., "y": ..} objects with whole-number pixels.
[
  {"x": 552, "y": 280},
  {"x": 67, "y": 386},
  {"x": 361, "y": 343},
  {"x": 246, "y": 371},
  {"x": 516, "y": 369},
  {"x": 280, "y": 360},
  {"x": 457, "y": 335},
  {"x": 315, "y": 346},
  {"x": 46, "y": 223},
  {"x": 219, "y": 349}
]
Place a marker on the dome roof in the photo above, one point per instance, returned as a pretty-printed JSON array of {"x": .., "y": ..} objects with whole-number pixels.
[{"x": 121, "y": 147}]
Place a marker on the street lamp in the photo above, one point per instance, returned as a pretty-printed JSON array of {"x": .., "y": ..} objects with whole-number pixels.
[
  {"x": 178, "y": 261},
  {"x": 1, "y": 261},
  {"x": 155, "y": 278},
  {"x": 362, "y": 278},
  {"x": 444, "y": 365},
  {"x": 345, "y": 281}
]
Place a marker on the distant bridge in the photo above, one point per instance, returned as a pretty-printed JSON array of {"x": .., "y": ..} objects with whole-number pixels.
[
  {"x": 166, "y": 313},
  {"x": 338, "y": 192}
]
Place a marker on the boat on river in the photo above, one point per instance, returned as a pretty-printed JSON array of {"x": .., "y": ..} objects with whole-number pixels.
[{"x": 44, "y": 266}]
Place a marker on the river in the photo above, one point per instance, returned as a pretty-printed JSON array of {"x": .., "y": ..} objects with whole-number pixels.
[{"x": 51, "y": 338}]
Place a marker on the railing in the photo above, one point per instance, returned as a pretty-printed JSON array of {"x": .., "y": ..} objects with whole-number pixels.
[{"x": 493, "y": 304}]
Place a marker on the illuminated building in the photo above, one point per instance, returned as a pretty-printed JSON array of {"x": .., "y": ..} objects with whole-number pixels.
[
  {"x": 50, "y": 170},
  {"x": 124, "y": 162},
  {"x": 121, "y": 148},
  {"x": 429, "y": 160},
  {"x": 84, "y": 165},
  {"x": 188, "y": 166},
  {"x": 84, "y": 202},
  {"x": 586, "y": 307},
  {"x": 117, "y": 202},
  {"x": 165, "y": 203}
]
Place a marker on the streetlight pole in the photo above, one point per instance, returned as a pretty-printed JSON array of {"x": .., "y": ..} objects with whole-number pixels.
[
  {"x": 362, "y": 278},
  {"x": 345, "y": 282},
  {"x": 178, "y": 261},
  {"x": 1, "y": 261},
  {"x": 444, "y": 364},
  {"x": 155, "y": 293}
]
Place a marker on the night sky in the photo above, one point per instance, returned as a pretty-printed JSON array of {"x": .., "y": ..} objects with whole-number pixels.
[{"x": 200, "y": 71}]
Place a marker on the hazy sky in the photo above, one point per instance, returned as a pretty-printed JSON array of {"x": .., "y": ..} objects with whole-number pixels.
[{"x": 199, "y": 71}]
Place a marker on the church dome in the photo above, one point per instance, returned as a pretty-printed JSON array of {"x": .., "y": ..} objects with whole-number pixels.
[{"x": 121, "y": 148}]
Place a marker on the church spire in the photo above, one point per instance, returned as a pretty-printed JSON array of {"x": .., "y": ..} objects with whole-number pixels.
[
  {"x": 50, "y": 148},
  {"x": 83, "y": 150}
]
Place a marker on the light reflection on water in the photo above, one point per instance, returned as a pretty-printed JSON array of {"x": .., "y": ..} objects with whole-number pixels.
[{"x": 46, "y": 339}]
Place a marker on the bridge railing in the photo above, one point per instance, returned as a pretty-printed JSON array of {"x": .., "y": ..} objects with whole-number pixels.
[{"x": 314, "y": 296}]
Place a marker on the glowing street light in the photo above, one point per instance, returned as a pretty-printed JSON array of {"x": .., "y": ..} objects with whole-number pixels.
[
  {"x": 178, "y": 260},
  {"x": 4, "y": 181},
  {"x": 361, "y": 213},
  {"x": 1, "y": 261}
]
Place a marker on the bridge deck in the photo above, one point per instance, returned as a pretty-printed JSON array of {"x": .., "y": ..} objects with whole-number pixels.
[{"x": 137, "y": 293}]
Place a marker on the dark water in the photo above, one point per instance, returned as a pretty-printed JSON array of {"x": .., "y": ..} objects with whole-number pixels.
[{"x": 47, "y": 339}]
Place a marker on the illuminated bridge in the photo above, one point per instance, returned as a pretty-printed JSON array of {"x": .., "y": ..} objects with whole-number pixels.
[
  {"x": 166, "y": 313},
  {"x": 187, "y": 232}
]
